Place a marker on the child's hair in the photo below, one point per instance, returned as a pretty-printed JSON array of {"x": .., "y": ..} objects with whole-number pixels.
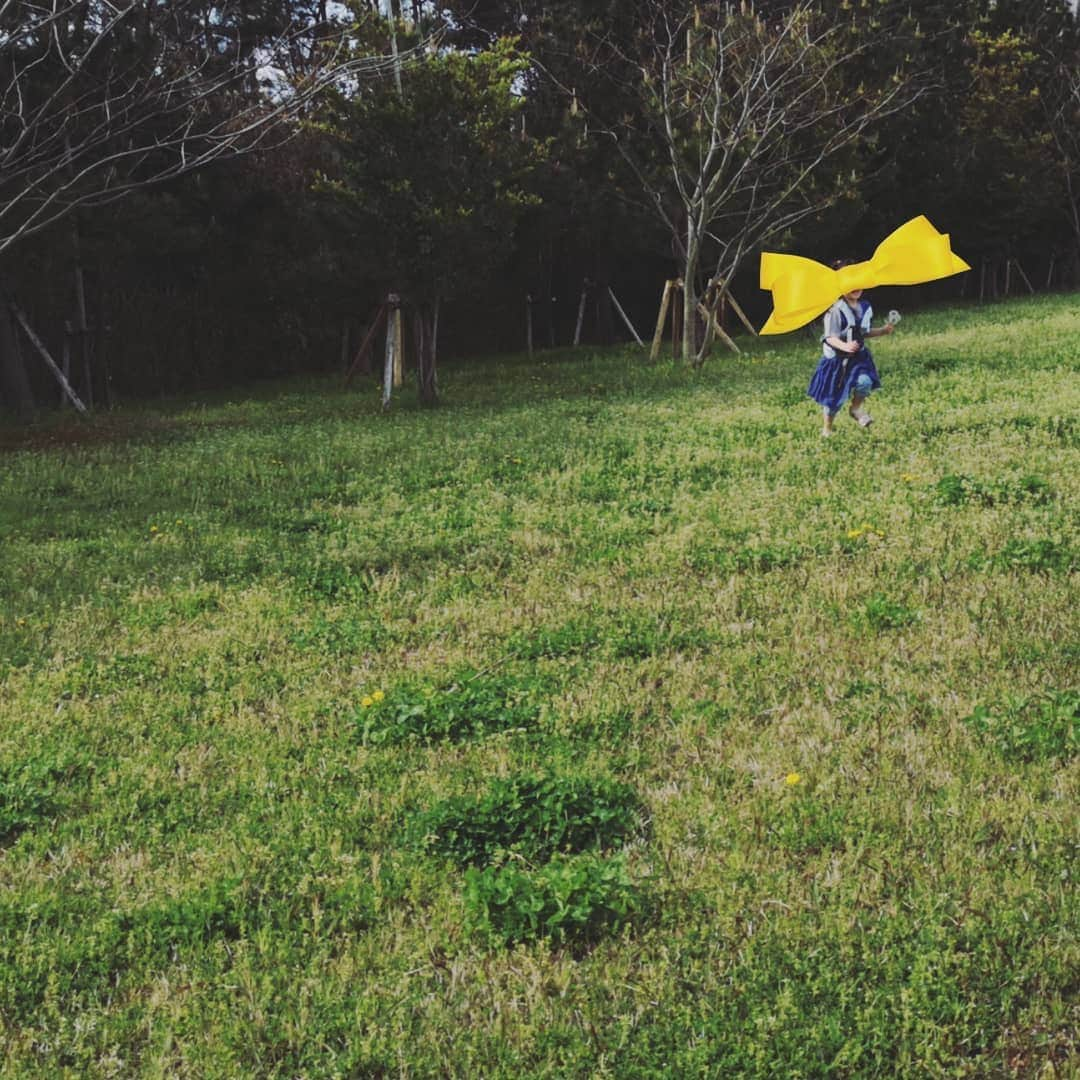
[{"x": 839, "y": 264}]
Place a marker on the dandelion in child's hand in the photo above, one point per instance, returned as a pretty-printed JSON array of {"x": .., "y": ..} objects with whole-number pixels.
[{"x": 792, "y": 779}]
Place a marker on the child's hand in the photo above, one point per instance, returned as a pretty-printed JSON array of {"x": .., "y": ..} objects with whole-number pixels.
[
  {"x": 889, "y": 328},
  {"x": 851, "y": 347}
]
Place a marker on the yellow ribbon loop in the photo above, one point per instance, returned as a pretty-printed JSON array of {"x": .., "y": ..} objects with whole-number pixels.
[{"x": 802, "y": 289}]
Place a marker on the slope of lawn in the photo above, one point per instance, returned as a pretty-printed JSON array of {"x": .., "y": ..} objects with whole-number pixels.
[{"x": 605, "y": 721}]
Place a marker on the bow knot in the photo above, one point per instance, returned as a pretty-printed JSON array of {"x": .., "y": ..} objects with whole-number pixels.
[{"x": 802, "y": 288}]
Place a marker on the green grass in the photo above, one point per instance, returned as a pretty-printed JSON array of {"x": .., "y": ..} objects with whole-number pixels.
[{"x": 605, "y": 721}]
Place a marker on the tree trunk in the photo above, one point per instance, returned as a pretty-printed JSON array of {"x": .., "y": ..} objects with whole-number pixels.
[
  {"x": 1073, "y": 202},
  {"x": 80, "y": 315},
  {"x": 690, "y": 297},
  {"x": 547, "y": 297},
  {"x": 65, "y": 360},
  {"x": 101, "y": 352},
  {"x": 711, "y": 320},
  {"x": 427, "y": 323},
  {"x": 690, "y": 291},
  {"x": 14, "y": 381},
  {"x": 605, "y": 319}
]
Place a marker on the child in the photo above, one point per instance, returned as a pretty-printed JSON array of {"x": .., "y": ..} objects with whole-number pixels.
[{"x": 846, "y": 368}]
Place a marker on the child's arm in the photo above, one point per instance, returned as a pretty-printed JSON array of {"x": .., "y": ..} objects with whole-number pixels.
[
  {"x": 881, "y": 331},
  {"x": 840, "y": 345}
]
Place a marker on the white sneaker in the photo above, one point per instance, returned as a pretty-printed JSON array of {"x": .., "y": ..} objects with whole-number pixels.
[{"x": 861, "y": 417}]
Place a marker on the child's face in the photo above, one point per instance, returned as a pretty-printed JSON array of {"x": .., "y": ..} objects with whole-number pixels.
[{"x": 853, "y": 296}]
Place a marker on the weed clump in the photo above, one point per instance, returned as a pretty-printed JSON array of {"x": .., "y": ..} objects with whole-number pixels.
[
  {"x": 804, "y": 825},
  {"x": 25, "y": 800},
  {"x": 537, "y": 853},
  {"x": 572, "y": 899},
  {"x": 620, "y": 636},
  {"x": 956, "y": 489},
  {"x": 29, "y": 790},
  {"x": 531, "y": 817},
  {"x": 761, "y": 559},
  {"x": 470, "y": 706},
  {"x": 574, "y": 638},
  {"x": 1045, "y": 728},
  {"x": 881, "y": 613},
  {"x": 1040, "y": 556}
]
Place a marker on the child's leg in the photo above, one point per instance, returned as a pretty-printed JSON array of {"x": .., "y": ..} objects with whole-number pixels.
[
  {"x": 828, "y": 419},
  {"x": 859, "y": 393}
]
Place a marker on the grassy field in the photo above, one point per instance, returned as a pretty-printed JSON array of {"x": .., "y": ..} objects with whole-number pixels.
[{"x": 606, "y": 721}]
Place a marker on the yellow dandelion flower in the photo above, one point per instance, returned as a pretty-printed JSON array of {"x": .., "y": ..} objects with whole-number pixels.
[
  {"x": 792, "y": 779},
  {"x": 909, "y": 478},
  {"x": 367, "y": 702},
  {"x": 153, "y": 528},
  {"x": 378, "y": 695},
  {"x": 854, "y": 534}
]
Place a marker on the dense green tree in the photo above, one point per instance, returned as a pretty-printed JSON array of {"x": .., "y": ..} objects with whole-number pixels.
[
  {"x": 594, "y": 223},
  {"x": 1060, "y": 100},
  {"x": 974, "y": 152},
  {"x": 1005, "y": 177},
  {"x": 432, "y": 179}
]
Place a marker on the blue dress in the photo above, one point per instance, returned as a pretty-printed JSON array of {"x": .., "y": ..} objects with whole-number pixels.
[{"x": 838, "y": 375}]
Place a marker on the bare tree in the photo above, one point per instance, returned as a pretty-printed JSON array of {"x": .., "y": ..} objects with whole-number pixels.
[
  {"x": 100, "y": 98},
  {"x": 736, "y": 113}
]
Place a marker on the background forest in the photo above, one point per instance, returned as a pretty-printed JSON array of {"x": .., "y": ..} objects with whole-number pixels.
[{"x": 196, "y": 195}]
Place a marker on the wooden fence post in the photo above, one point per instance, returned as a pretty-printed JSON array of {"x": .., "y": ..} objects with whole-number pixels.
[
  {"x": 676, "y": 319},
  {"x": 726, "y": 297},
  {"x": 399, "y": 347},
  {"x": 390, "y": 358},
  {"x": 581, "y": 312},
  {"x": 363, "y": 353},
  {"x": 37, "y": 343},
  {"x": 1020, "y": 271},
  {"x": 661, "y": 321},
  {"x": 625, "y": 317},
  {"x": 709, "y": 315}
]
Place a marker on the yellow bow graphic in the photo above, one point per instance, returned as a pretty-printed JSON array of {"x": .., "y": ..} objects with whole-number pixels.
[{"x": 802, "y": 289}]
